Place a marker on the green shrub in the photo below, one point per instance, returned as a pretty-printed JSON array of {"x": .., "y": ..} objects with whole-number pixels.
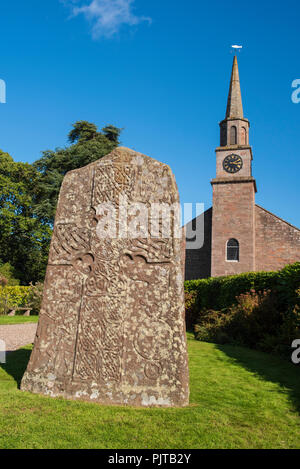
[
  {"x": 35, "y": 297},
  {"x": 254, "y": 321},
  {"x": 210, "y": 326},
  {"x": 11, "y": 297},
  {"x": 190, "y": 309},
  {"x": 22, "y": 297},
  {"x": 257, "y": 310},
  {"x": 221, "y": 292},
  {"x": 3, "y": 281}
]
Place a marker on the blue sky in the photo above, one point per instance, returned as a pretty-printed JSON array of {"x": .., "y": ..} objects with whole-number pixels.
[{"x": 161, "y": 70}]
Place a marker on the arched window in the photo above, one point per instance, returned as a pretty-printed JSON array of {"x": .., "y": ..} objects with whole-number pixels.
[
  {"x": 223, "y": 136},
  {"x": 233, "y": 250},
  {"x": 233, "y": 135},
  {"x": 243, "y": 136}
]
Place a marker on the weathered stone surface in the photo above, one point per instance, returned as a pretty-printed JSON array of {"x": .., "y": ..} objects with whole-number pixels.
[{"x": 111, "y": 327}]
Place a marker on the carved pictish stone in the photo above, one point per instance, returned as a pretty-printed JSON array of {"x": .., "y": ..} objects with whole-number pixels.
[{"x": 111, "y": 327}]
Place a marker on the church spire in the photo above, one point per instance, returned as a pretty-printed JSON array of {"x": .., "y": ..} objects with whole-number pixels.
[
  {"x": 234, "y": 128},
  {"x": 234, "y": 104}
]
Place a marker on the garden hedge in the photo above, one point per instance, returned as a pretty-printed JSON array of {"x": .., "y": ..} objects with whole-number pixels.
[
  {"x": 221, "y": 292},
  {"x": 260, "y": 310}
]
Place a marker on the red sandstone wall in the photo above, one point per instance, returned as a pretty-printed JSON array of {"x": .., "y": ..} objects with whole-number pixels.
[
  {"x": 277, "y": 242},
  {"x": 233, "y": 217}
]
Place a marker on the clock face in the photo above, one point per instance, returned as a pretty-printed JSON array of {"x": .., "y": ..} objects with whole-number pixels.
[{"x": 232, "y": 163}]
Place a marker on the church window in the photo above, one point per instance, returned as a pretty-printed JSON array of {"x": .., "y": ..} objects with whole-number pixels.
[
  {"x": 233, "y": 135},
  {"x": 244, "y": 136},
  {"x": 233, "y": 250}
]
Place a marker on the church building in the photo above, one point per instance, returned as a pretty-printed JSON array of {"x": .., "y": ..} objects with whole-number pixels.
[{"x": 239, "y": 236}]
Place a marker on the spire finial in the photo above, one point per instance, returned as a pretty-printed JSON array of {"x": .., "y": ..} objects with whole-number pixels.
[{"x": 234, "y": 104}]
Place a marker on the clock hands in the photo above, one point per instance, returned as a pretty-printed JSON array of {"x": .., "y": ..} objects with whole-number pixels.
[{"x": 233, "y": 163}]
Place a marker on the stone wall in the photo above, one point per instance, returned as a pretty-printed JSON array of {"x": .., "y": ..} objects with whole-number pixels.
[
  {"x": 277, "y": 242},
  {"x": 198, "y": 261}
]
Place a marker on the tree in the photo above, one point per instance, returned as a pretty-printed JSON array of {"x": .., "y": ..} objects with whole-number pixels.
[
  {"x": 8, "y": 275},
  {"x": 87, "y": 145},
  {"x": 82, "y": 132},
  {"x": 24, "y": 239},
  {"x": 112, "y": 133}
]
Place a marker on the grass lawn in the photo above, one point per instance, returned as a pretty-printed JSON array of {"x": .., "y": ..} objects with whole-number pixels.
[
  {"x": 239, "y": 399},
  {"x": 5, "y": 320}
]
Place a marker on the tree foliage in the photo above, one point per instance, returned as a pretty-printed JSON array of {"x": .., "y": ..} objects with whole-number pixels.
[
  {"x": 82, "y": 132},
  {"x": 24, "y": 240},
  {"x": 8, "y": 275},
  {"x": 88, "y": 145}
]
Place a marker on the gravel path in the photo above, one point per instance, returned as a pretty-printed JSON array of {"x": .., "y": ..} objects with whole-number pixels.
[{"x": 17, "y": 335}]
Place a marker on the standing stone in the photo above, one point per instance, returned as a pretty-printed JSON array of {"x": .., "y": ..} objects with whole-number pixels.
[{"x": 111, "y": 326}]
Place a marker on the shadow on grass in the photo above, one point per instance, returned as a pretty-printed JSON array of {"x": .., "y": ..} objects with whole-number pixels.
[
  {"x": 268, "y": 367},
  {"x": 16, "y": 364}
]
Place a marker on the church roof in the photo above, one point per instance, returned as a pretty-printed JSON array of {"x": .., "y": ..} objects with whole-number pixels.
[{"x": 234, "y": 104}]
